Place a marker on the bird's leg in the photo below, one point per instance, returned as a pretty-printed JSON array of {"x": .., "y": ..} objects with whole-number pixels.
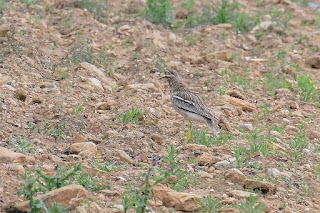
[{"x": 189, "y": 131}]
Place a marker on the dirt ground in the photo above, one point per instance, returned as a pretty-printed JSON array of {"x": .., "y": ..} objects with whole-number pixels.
[{"x": 70, "y": 70}]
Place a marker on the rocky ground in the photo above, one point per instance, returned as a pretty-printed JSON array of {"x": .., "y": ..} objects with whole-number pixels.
[{"x": 72, "y": 71}]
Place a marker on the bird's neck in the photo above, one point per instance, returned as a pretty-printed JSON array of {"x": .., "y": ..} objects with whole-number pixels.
[{"x": 176, "y": 83}]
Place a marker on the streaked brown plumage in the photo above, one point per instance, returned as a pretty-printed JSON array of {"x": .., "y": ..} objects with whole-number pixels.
[{"x": 188, "y": 104}]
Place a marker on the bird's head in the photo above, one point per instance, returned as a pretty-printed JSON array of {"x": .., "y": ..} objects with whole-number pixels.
[{"x": 169, "y": 73}]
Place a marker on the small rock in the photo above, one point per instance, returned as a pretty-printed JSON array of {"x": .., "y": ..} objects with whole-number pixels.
[
  {"x": 245, "y": 105},
  {"x": 234, "y": 176},
  {"x": 240, "y": 194},
  {"x": 96, "y": 83},
  {"x": 123, "y": 29},
  {"x": 211, "y": 170},
  {"x": 123, "y": 156},
  {"x": 264, "y": 187},
  {"x": 8, "y": 156},
  {"x": 313, "y": 134},
  {"x": 17, "y": 168},
  {"x": 227, "y": 162},
  {"x": 87, "y": 147},
  {"x": 205, "y": 175},
  {"x": 172, "y": 179},
  {"x": 20, "y": 94},
  {"x": 196, "y": 147},
  {"x": 182, "y": 14},
  {"x": 147, "y": 86},
  {"x": 103, "y": 106},
  {"x": 55, "y": 159},
  {"x": 273, "y": 172},
  {"x": 78, "y": 139},
  {"x": 226, "y": 26},
  {"x": 110, "y": 193},
  {"x": 181, "y": 201},
  {"x": 207, "y": 159},
  {"x": 313, "y": 62},
  {"x": 223, "y": 56},
  {"x": 70, "y": 195},
  {"x": 247, "y": 126},
  {"x": 119, "y": 208},
  {"x": 157, "y": 138},
  {"x": 4, "y": 29}
]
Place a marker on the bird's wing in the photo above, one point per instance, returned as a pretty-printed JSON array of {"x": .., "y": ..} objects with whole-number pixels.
[{"x": 191, "y": 102}]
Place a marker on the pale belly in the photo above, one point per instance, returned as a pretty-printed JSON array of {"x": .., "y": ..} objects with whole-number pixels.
[{"x": 189, "y": 116}]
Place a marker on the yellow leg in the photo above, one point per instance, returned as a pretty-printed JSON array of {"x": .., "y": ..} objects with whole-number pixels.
[{"x": 189, "y": 131}]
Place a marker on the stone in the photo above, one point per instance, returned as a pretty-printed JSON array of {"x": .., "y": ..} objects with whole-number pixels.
[
  {"x": 223, "y": 56},
  {"x": 55, "y": 159},
  {"x": 234, "y": 176},
  {"x": 264, "y": 187},
  {"x": 226, "y": 26},
  {"x": 193, "y": 146},
  {"x": 87, "y": 147},
  {"x": 70, "y": 195},
  {"x": 313, "y": 62},
  {"x": 110, "y": 193},
  {"x": 78, "y": 139},
  {"x": 93, "y": 70},
  {"x": 96, "y": 83},
  {"x": 123, "y": 29},
  {"x": 313, "y": 134},
  {"x": 227, "y": 162},
  {"x": 103, "y": 106},
  {"x": 20, "y": 94},
  {"x": 4, "y": 29},
  {"x": 245, "y": 105},
  {"x": 240, "y": 194},
  {"x": 205, "y": 175},
  {"x": 207, "y": 159},
  {"x": 172, "y": 179},
  {"x": 123, "y": 156},
  {"x": 182, "y": 14},
  {"x": 273, "y": 172},
  {"x": 8, "y": 156},
  {"x": 17, "y": 168},
  {"x": 247, "y": 126},
  {"x": 147, "y": 86},
  {"x": 181, "y": 201}
]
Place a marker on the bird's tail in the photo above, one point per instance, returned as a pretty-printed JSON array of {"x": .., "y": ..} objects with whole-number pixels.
[{"x": 210, "y": 124}]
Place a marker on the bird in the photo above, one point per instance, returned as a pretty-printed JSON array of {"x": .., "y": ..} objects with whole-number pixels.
[{"x": 187, "y": 103}]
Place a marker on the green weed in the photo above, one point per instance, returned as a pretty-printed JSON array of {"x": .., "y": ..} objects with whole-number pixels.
[
  {"x": 299, "y": 143},
  {"x": 160, "y": 12},
  {"x": 96, "y": 8},
  {"x": 55, "y": 208},
  {"x": 260, "y": 143},
  {"x": 250, "y": 205},
  {"x": 135, "y": 116},
  {"x": 202, "y": 137},
  {"x": 76, "y": 110},
  {"x": 272, "y": 82},
  {"x": 83, "y": 52},
  {"x": 209, "y": 205},
  {"x": 266, "y": 110},
  {"x": 22, "y": 145},
  {"x": 1, "y": 5},
  {"x": 308, "y": 90},
  {"x": 29, "y": 2}
]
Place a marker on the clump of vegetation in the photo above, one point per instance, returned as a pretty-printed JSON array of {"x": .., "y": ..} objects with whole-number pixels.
[
  {"x": 160, "y": 12},
  {"x": 22, "y": 145},
  {"x": 135, "y": 116},
  {"x": 271, "y": 82},
  {"x": 96, "y": 8},
  {"x": 250, "y": 205},
  {"x": 38, "y": 182},
  {"x": 308, "y": 89},
  {"x": 202, "y": 137},
  {"x": 1, "y": 5},
  {"x": 83, "y": 52},
  {"x": 209, "y": 205},
  {"x": 299, "y": 143}
]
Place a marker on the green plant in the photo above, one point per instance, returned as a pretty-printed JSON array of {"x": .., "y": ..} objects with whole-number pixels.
[
  {"x": 299, "y": 143},
  {"x": 173, "y": 168},
  {"x": 83, "y": 52},
  {"x": 209, "y": 205},
  {"x": 202, "y": 137},
  {"x": 97, "y": 8},
  {"x": 160, "y": 12},
  {"x": 260, "y": 143},
  {"x": 265, "y": 109},
  {"x": 271, "y": 82},
  {"x": 308, "y": 90},
  {"x": 135, "y": 116},
  {"x": 55, "y": 208},
  {"x": 22, "y": 145},
  {"x": 76, "y": 110},
  {"x": 108, "y": 167},
  {"x": 137, "y": 198},
  {"x": 250, "y": 205},
  {"x": 1, "y": 5},
  {"x": 241, "y": 154},
  {"x": 29, "y": 2},
  {"x": 57, "y": 131}
]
